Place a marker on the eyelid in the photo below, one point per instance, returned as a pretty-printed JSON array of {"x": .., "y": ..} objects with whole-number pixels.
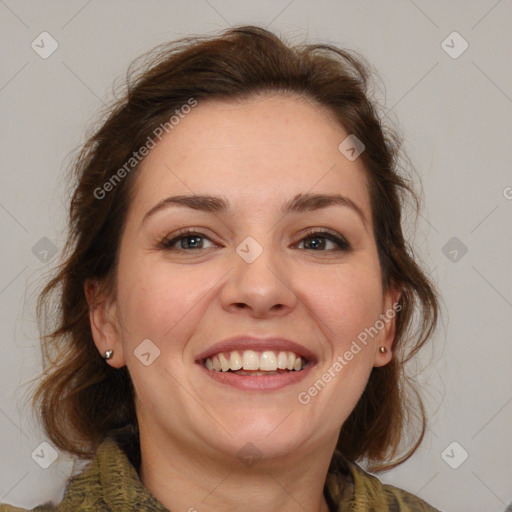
[
  {"x": 168, "y": 241},
  {"x": 334, "y": 236}
]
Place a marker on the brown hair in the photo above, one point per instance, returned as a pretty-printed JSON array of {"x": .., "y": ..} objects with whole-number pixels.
[{"x": 80, "y": 398}]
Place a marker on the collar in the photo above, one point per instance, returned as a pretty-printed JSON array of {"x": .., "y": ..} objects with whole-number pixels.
[{"x": 112, "y": 478}]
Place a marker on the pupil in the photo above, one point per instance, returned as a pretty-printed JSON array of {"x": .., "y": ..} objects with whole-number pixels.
[
  {"x": 315, "y": 242},
  {"x": 196, "y": 238}
]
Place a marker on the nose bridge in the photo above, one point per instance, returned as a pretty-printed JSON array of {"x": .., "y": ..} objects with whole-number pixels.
[
  {"x": 259, "y": 280},
  {"x": 257, "y": 262}
]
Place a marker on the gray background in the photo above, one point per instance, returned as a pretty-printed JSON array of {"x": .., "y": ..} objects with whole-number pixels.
[{"x": 456, "y": 116}]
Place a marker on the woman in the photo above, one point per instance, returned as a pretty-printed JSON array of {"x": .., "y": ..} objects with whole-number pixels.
[{"x": 236, "y": 298}]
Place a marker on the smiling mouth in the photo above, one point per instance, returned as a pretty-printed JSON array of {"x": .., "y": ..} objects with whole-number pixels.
[{"x": 254, "y": 363}]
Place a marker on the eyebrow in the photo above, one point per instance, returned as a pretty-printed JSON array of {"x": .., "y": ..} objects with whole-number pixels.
[{"x": 300, "y": 203}]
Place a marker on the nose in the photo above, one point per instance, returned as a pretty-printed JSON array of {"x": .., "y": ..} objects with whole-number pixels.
[{"x": 262, "y": 287}]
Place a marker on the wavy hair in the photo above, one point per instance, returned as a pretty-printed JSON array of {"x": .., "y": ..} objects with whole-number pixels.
[{"x": 80, "y": 399}]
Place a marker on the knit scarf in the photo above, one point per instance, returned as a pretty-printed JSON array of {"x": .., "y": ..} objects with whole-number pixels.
[{"x": 111, "y": 483}]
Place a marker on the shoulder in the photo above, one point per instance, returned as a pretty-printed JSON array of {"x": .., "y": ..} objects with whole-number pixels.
[
  {"x": 108, "y": 482},
  {"x": 81, "y": 491},
  {"x": 390, "y": 496},
  {"x": 353, "y": 485}
]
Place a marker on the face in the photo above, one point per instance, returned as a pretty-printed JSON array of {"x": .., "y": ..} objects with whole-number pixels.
[{"x": 303, "y": 281}]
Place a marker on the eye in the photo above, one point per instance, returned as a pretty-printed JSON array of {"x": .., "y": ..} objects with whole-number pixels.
[
  {"x": 188, "y": 239},
  {"x": 319, "y": 240}
]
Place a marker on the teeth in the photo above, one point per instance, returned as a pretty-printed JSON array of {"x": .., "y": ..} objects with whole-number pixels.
[
  {"x": 267, "y": 361},
  {"x": 236, "y": 361},
  {"x": 282, "y": 360},
  {"x": 223, "y": 362},
  {"x": 250, "y": 360},
  {"x": 216, "y": 364}
]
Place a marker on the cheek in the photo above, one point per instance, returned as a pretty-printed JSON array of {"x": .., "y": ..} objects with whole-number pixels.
[
  {"x": 162, "y": 306},
  {"x": 159, "y": 303},
  {"x": 346, "y": 300}
]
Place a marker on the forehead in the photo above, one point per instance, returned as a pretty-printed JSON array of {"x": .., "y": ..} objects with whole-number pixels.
[{"x": 256, "y": 152}]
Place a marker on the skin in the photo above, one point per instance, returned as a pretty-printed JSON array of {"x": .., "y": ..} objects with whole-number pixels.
[{"x": 257, "y": 153}]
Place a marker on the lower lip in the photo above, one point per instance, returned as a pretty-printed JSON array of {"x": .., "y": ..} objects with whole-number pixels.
[{"x": 258, "y": 382}]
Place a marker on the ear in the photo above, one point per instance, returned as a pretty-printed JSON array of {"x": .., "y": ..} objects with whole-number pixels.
[
  {"x": 105, "y": 327},
  {"x": 390, "y": 309}
]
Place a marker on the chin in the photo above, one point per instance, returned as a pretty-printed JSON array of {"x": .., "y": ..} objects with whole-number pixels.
[{"x": 272, "y": 435}]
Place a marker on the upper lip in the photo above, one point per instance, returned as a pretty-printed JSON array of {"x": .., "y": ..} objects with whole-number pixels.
[{"x": 246, "y": 342}]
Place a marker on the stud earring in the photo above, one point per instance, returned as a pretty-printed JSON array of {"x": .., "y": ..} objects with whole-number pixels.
[
  {"x": 383, "y": 350},
  {"x": 108, "y": 354}
]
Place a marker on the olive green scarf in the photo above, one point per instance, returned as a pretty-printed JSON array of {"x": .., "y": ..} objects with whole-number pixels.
[{"x": 110, "y": 482}]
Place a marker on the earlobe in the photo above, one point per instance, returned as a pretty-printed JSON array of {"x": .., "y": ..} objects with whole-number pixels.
[
  {"x": 104, "y": 325},
  {"x": 384, "y": 347},
  {"x": 383, "y": 356}
]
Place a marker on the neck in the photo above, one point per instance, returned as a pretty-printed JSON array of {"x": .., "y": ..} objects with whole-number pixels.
[{"x": 193, "y": 480}]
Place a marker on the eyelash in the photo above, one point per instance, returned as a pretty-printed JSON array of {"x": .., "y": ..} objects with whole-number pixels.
[{"x": 166, "y": 243}]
